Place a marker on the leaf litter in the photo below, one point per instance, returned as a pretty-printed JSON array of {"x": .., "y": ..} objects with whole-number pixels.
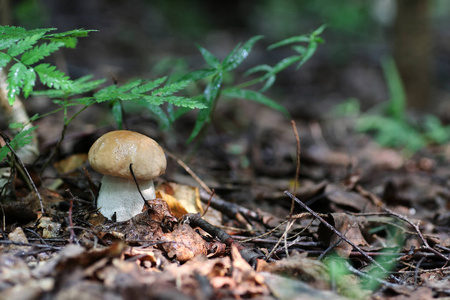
[{"x": 385, "y": 207}]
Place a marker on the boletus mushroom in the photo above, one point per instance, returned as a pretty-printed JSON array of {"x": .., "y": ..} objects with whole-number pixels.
[{"x": 111, "y": 155}]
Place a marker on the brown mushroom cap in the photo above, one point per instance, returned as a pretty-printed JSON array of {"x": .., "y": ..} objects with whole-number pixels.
[{"x": 114, "y": 151}]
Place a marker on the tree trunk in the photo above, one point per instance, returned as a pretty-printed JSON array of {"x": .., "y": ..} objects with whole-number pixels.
[{"x": 412, "y": 50}]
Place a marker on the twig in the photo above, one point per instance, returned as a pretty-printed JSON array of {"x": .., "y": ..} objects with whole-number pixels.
[
  {"x": 365, "y": 275},
  {"x": 419, "y": 233},
  {"x": 187, "y": 169},
  {"x": 209, "y": 202},
  {"x": 239, "y": 214},
  {"x": 329, "y": 226},
  {"x": 195, "y": 220},
  {"x": 37, "y": 235},
  {"x": 416, "y": 272},
  {"x": 9, "y": 242},
  {"x": 297, "y": 169},
  {"x": 61, "y": 139},
  {"x": 72, "y": 231},
  {"x": 291, "y": 212},
  {"x": 6, "y": 139},
  {"x": 232, "y": 210}
]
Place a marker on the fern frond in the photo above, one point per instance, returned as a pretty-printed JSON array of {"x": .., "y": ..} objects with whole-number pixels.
[
  {"x": 52, "y": 77},
  {"x": 171, "y": 88},
  {"x": 69, "y": 38},
  {"x": 185, "y": 102},
  {"x": 71, "y": 33},
  {"x": 21, "y": 139},
  {"x": 37, "y": 53},
  {"x": 4, "y": 59},
  {"x": 10, "y": 35},
  {"x": 146, "y": 87},
  {"x": 23, "y": 45},
  {"x": 128, "y": 86},
  {"x": 79, "y": 86},
  {"x": 16, "y": 79},
  {"x": 29, "y": 82}
]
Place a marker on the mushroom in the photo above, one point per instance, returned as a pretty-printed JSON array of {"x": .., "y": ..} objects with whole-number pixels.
[{"x": 111, "y": 155}]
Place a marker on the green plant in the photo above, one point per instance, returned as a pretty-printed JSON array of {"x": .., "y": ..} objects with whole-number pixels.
[
  {"x": 24, "y": 52},
  {"x": 390, "y": 124},
  {"x": 217, "y": 70}
]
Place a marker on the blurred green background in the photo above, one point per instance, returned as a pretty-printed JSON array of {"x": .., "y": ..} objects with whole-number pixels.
[{"x": 153, "y": 38}]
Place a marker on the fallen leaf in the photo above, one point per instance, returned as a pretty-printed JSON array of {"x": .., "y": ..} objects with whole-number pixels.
[
  {"x": 175, "y": 206},
  {"x": 70, "y": 163},
  {"x": 187, "y": 196},
  {"x": 348, "y": 226},
  {"x": 183, "y": 243}
]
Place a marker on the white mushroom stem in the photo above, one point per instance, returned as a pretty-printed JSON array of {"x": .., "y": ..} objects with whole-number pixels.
[{"x": 121, "y": 196}]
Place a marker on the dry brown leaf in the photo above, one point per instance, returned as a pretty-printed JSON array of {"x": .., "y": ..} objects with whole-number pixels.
[
  {"x": 175, "y": 206},
  {"x": 49, "y": 228},
  {"x": 246, "y": 279},
  {"x": 17, "y": 235},
  {"x": 183, "y": 243},
  {"x": 187, "y": 196},
  {"x": 70, "y": 163},
  {"x": 348, "y": 226},
  {"x": 348, "y": 199}
]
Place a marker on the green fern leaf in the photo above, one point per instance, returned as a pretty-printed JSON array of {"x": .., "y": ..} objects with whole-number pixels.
[
  {"x": 24, "y": 45},
  {"x": 158, "y": 112},
  {"x": 4, "y": 59},
  {"x": 210, "y": 59},
  {"x": 10, "y": 35},
  {"x": 130, "y": 85},
  {"x": 37, "y": 53},
  {"x": 52, "y": 77},
  {"x": 146, "y": 87},
  {"x": 239, "y": 54},
  {"x": 203, "y": 118},
  {"x": 69, "y": 38},
  {"x": 15, "y": 81},
  {"x": 23, "y": 138},
  {"x": 198, "y": 74},
  {"x": 171, "y": 88},
  {"x": 29, "y": 82},
  {"x": 79, "y": 86},
  {"x": 184, "y": 102},
  {"x": 71, "y": 33}
]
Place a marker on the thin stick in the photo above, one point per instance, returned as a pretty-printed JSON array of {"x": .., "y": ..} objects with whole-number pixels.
[
  {"x": 72, "y": 231},
  {"x": 185, "y": 167},
  {"x": 297, "y": 169},
  {"x": 419, "y": 233},
  {"x": 209, "y": 202},
  {"x": 329, "y": 226},
  {"x": 6, "y": 139}
]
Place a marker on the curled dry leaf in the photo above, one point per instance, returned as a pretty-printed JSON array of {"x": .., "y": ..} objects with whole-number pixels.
[
  {"x": 183, "y": 243},
  {"x": 187, "y": 196},
  {"x": 247, "y": 280},
  {"x": 175, "y": 206},
  {"x": 346, "y": 224},
  {"x": 49, "y": 228}
]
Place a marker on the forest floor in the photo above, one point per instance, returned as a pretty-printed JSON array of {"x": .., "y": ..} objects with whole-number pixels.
[{"x": 367, "y": 222}]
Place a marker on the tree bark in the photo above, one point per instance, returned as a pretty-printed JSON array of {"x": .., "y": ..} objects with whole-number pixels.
[{"x": 412, "y": 50}]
